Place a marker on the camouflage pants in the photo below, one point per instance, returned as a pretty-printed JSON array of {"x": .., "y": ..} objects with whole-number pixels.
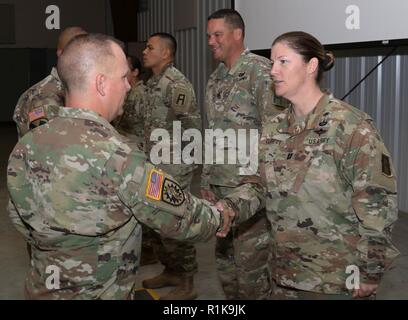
[
  {"x": 177, "y": 256},
  {"x": 147, "y": 239},
  {"x": 242, "y": 257},
  {"x": 284, "y": 293}
]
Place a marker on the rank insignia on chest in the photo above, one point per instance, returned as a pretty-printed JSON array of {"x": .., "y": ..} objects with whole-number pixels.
[
  {"x": 154, "y": 185},
  {"x": 320, "y": 131},
  {"x": 172, "y": 193}
]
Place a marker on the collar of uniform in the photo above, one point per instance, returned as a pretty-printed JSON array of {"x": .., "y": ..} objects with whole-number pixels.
[
  {"x": 311, "y": 119},
  {"x": 161, "y": 74},
  {"x": 79, "y": 113},
  {"x": 54, "y": 73},
  {"x": 223, "y": 70},
  {"x": 139, "y": 83},
  {"x": 315, "y": 116},
  {"x": 292, "y": 126}
]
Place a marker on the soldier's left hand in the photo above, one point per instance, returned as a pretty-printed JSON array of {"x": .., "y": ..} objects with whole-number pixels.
[
  {"x": 227, "y": 217},
  {"x": 365, "y": 290}
]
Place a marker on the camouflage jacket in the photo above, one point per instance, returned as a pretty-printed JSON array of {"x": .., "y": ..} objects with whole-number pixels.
[
  {"x": 78, "y": 193},
  {"x": 131, "y": 122},
  {"x": 237, "y": 99},
  {"x": 49, "y": 91},
  {"x": 331, "y": 197},
  {"x": 170, "y": 97}
]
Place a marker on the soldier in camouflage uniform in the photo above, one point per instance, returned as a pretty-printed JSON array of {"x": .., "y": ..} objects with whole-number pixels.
[
  {"x": 79, "y": 191},
  {"x": 238, "y": 93},
  {"x": 40, "y": 102},
  {"x": 170, "y": 97},
  {"x": 330, "y": 192}
]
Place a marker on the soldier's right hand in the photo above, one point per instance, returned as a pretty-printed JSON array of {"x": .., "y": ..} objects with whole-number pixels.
[
  {"x": 209, "y": 196},
  {"x": 227, "y": 215}
]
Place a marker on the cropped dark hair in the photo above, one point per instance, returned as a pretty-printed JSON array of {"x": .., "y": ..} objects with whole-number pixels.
[
  {"x": 83, "y": 53},
  {"x": 135, "y": 62},
  {"x": 308, "y": 47},
  {"x": 170, "y": 41},
  {"x": 231, "y": 17}
]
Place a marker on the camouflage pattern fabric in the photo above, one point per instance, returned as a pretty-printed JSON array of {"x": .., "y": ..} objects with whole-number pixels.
[
  {"x": 331, "y": 197},
  {"x": 238, "y": 99},
  {"x": 131, "y": 122},
  {"x": 242, "y": 257},
  {"x": 79, "y": 195},
  {"x": 285, "y": 293},
  {"x": 170, "y": 97},
  {"x": 49, "y": 91},
  {"x": 179, "y": 257}
]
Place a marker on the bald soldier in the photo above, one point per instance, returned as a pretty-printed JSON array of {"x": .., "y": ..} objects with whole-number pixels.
[
  {"x": 80, "y": 191},
  {"x": 40, "y": 102},
  {"x": 170, "y": 101}
]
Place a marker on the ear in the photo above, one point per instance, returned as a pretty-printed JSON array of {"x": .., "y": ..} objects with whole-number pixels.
[
  {"x": 237, "y": 34},
  {"x": 100, "y": 83},
  {"x": 59, "y": 52},
  {"x": 166, "y": 53},
  {"x": 312, "y": 65}
]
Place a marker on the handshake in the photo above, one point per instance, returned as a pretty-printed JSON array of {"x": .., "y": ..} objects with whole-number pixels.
[{"x": 227, "y": 213}]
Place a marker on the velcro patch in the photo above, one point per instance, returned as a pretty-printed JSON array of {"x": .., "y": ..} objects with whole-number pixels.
[
  {"x": 172, "y": 193},
  {"x": 37, "y": 113},
  {"x": 181, "y": 98},
  {"x": 385, "y": 165},
  {"x": 154, "y": 185}
]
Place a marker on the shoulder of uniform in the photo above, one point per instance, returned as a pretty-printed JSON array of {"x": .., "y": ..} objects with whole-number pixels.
[
  {"x": 271, "y": 122},
  {"x": 341, "y": 110},
  {"x": 258, "y": 60}
]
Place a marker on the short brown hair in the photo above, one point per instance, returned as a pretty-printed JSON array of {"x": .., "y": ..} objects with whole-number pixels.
[{"x": 231, "y": 17}]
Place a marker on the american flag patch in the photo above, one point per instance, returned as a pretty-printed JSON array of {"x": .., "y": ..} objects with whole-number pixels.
[
  {"x": 154, "y": 185},
  {"x": 36, "y": 114}
]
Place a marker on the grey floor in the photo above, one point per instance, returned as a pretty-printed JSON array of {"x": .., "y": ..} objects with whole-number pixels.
[{"x": 14, "y": 261}]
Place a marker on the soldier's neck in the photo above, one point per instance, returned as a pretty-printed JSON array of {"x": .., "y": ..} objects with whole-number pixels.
[
  {"x": 160, "y": 68},
  {"x": 233, "y": 57},
  {"x": 306, "y": 101}
]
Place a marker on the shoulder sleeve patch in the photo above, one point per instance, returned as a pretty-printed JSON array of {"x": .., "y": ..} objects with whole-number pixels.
[
  {"x": 181, "y": 99},
  {"x": 37, "y": 113},
  {"x": 154, "y": 185},
  {"x": 37, "y": 117},
  {"x": 172, "y": 193}
]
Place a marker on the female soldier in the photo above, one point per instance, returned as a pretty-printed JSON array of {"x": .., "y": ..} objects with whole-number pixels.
[{"x": 331, "y": 189}]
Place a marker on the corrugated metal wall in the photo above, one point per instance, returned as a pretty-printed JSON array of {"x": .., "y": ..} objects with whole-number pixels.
[
  {"x": 193, "y": 57},
  {"x": 383, "y": 95}
]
